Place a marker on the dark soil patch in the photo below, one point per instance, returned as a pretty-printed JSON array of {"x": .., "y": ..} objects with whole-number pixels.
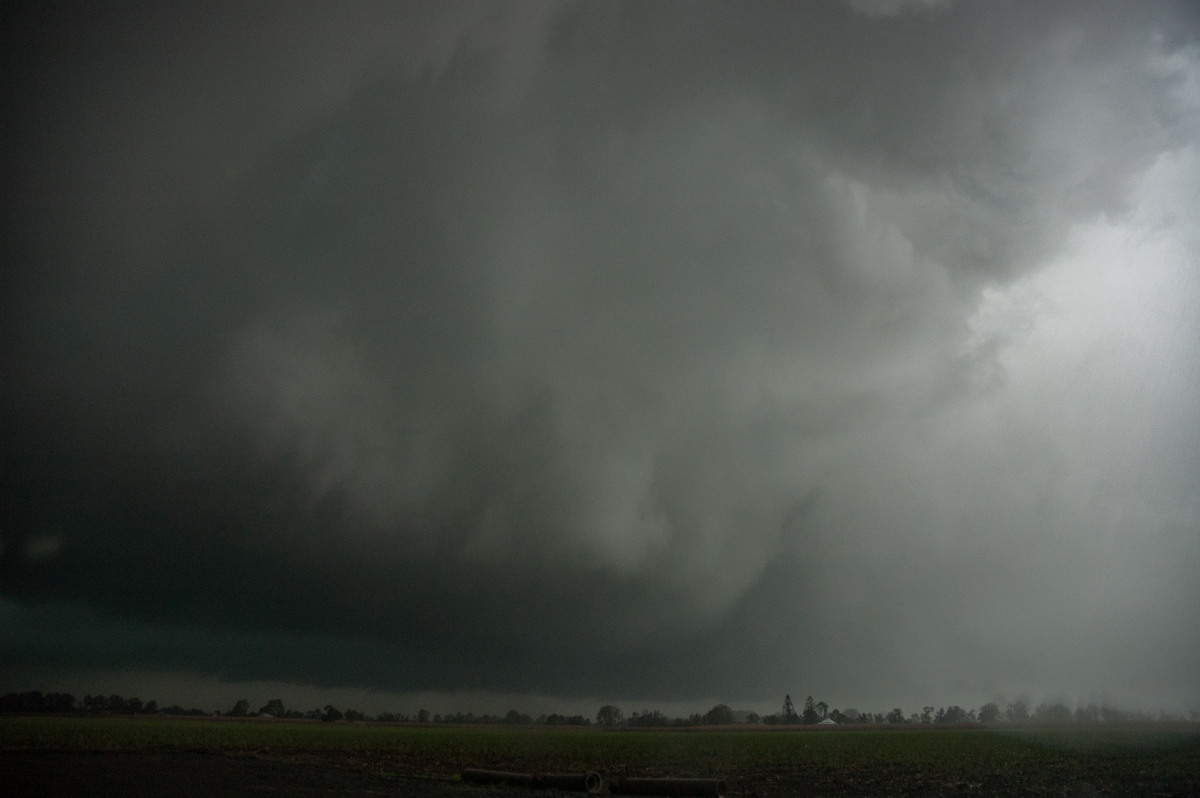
[
  {"x": 198, "y": 774},
  {"x": 192, "y": 774}
]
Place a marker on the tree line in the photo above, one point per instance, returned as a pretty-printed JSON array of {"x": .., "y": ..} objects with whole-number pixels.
[
  {"x": 36, "y": 703},
  {"x": 609, "y": 716}
]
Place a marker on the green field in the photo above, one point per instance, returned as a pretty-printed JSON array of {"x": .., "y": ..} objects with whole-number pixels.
[{"x": 1121, "y": 760}]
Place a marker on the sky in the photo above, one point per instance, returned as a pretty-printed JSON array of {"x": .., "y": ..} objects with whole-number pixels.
[{"x": 471, "y": 355}]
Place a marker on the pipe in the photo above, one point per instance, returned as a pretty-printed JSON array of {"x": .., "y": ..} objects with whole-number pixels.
[
  {"x": 589, "y": 782},
  {"x": 669, "y": 787}
]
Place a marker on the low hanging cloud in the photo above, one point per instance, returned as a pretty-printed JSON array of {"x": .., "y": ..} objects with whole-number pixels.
[{"x": 652, "y": 351}]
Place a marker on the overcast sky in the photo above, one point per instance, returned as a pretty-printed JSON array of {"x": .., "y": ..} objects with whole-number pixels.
[{"x": 652, "y": 353}]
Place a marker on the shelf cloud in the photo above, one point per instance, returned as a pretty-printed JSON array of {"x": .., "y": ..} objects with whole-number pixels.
[{"x": 606, "y": 350}]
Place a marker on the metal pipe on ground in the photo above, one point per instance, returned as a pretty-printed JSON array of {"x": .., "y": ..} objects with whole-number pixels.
[
  {"x": 714, "y": 787},
  {"x": 589, "y": 782}
]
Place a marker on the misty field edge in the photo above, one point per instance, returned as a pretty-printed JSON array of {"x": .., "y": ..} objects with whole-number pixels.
[{"x": 710, "y": 749}]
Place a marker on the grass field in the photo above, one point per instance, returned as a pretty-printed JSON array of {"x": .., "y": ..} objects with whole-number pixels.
[{"x": 1121, "y": 761}]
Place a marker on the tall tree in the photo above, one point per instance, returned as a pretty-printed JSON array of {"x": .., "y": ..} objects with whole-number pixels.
[
  {"x": 810, "y": 711},
  {"x": 789, "y": 710}
]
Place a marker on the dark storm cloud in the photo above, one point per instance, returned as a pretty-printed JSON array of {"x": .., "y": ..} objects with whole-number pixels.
[{"x": 642, "y": 350}]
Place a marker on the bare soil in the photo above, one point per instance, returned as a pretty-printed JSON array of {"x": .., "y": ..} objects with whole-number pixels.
[
  {"x": 197, "y": 774},
  {"x": 193, "y": 774}
]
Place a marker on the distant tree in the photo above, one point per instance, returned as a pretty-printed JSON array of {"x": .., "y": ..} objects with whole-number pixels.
[
  {"x": 810, "y": 711},
  {"x": 822, "y": 709},
  {"x": 895, "y": 716},
  {"x": 331, "y": 714},
  {"x": 1109, "y": 714},
  {"x": 927, "y": 714},
  {"x": 1016, "y": 712},
  {"x": 423, "y": 716},
  {"x": 241, "y": 709},
  {"x": 608, "y": 715},
  {"x": 274, "y": 708},
  {"x": 59, "y": 702},
  {"x": 32, "y": 701},
  {"x": 753, "y": 717},
  {"x": 953, "y": 714},
  {"x": 517, "y": 718},
  {"x": 789, "y": 711},
  {"x": 151, "y": 707},
  {"x": 648, "y": 717},
  {"x": 989, "y": 712},
  {"x": 23, "y": 702},
  {"x": 1052, "y": 713},
  {"x": 354, "y": 716},
  {"x": 720, "y": 715}
]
